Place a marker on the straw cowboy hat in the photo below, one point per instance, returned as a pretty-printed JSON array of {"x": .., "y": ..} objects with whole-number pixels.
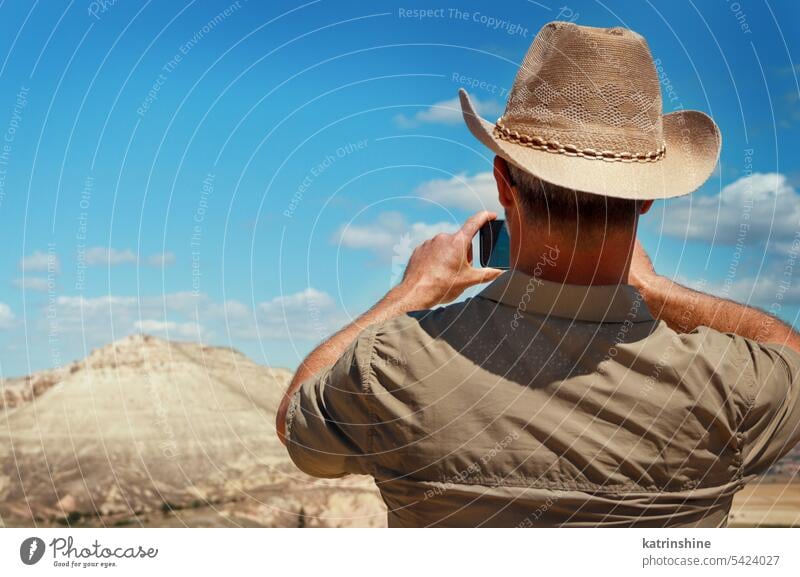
[{"x": 585, "y": 113}]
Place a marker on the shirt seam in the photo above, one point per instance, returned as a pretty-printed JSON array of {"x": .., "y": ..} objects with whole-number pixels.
[
  {"x": 290, "y": 414},
  {"x": 367, "y": 374},
  {"x": 741, "y": 437},
  {"x": 576, "y": 318},
  {"x": 535, "y": 483}
]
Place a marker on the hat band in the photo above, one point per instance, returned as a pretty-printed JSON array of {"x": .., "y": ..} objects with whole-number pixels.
[{"x": 504, "y": 133}]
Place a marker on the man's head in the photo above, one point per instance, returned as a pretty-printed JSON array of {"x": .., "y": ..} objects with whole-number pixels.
[
  {"x": 565, "y": 212},
  {"x": 592, "y": 129},
  {"x": 593, "y": 234}
]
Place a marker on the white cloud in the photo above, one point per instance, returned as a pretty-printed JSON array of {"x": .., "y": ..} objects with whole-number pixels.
[
  {"x": 6, "y": 316},
  {"x": 93, "y": 305},
  {"x": 106, "y": 317},
  {"x": 448, "y": 112},
  {"x": 391, "y": 235},
  {"x": 306, "y": 315},
  {"x": 472, "y": 193},
  {"x": 304, "y": 300},
  {"x": 69, "y": 327},
  {"x": 161, "y": 260},
  {"x": 751, "y": 210},
  {"x": 184, "y": 302},
  {"x": 230, "y": 309},
  {"x": 171, "y": 329},
  {"x": 309, "y": 314},
  {"x": 33, "y": 283},
  {"x": 106, "y": 256},
  {"x": 40, "y": 262}
]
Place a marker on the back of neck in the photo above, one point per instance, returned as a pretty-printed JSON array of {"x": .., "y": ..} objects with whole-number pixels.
[{"x": 583, "y": 258}]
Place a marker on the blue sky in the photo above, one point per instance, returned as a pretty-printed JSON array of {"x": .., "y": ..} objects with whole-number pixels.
[{"x": 253, "y": 174}]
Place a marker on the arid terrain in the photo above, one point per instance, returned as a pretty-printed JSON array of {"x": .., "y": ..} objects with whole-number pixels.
[
  {"x": 146, "y": 432},
  {"x": 767, "y": 504}
]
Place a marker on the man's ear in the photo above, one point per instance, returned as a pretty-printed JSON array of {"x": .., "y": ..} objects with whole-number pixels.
[
  {"x": 645, "y": 206},
  {"x": 503, "y": 179}
]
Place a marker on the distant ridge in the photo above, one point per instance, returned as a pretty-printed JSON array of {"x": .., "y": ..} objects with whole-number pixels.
[{"x": 146, "y": 426}]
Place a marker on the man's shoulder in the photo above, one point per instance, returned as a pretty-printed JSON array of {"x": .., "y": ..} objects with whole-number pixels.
[
  {"x": 426, "y": 322},
  {"x": 730, "y": 347},
  {"x": 418, "y": 341},
  {"x": 735, "y": 365},
  {"x": 700, "y": 342}
]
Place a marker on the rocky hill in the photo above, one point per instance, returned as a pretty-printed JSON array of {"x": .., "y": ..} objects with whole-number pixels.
[{"x": 150, "y": 432}]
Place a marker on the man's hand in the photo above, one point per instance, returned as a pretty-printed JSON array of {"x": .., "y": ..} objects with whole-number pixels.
[{"x": 440, "y": 269}]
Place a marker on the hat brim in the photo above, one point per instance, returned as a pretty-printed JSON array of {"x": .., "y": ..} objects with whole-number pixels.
[{"x": 692, "y": 142}]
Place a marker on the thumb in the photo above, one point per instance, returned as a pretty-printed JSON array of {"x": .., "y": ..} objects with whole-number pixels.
[{"x": 482, "y": 275}]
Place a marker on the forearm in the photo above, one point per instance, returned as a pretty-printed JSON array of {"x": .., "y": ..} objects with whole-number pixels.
[
  {"x": 684, "y": 310},
  {"x": 399, "y": 300}
]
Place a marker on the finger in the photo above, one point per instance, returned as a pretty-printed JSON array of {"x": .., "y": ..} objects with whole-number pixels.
[
  {"x": 475, "y": 222},
  {"x": 482, "y": 275}
]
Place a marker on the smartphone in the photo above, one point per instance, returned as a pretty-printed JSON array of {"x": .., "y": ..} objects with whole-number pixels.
[{"x": 494, "y": 245}]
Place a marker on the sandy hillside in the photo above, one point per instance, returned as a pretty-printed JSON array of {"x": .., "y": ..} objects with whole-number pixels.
[
  {"x": 767, "y": 504},
  {"x": 144, "y": 431}
]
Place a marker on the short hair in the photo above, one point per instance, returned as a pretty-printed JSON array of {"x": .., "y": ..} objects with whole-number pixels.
[{"x": 541, "y": 200}]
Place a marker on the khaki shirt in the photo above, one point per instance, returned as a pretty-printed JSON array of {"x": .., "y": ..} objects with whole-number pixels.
[{"x": 540, "y": 404}]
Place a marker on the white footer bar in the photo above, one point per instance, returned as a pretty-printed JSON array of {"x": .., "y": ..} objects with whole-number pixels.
[{"x": 386, "y": 553}]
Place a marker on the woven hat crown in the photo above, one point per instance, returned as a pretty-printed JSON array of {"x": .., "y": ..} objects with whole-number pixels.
[{"x": 584, "y": 91}]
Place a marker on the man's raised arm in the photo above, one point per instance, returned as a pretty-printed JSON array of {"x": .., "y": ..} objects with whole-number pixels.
[
  {"x": 684, "y": 309},
  {"x": 439, "y": 270}
]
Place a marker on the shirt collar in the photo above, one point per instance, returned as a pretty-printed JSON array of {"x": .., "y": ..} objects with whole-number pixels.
[{"x": 596, "y": 303}]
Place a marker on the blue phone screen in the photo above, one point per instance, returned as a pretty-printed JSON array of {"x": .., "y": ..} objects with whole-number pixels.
[{"x": 500, "y": 256}]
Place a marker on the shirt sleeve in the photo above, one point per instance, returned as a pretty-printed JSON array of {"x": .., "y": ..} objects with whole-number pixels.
[
  {"x": 329, "y": 417},
  {"x": 771, "y": 422}
]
